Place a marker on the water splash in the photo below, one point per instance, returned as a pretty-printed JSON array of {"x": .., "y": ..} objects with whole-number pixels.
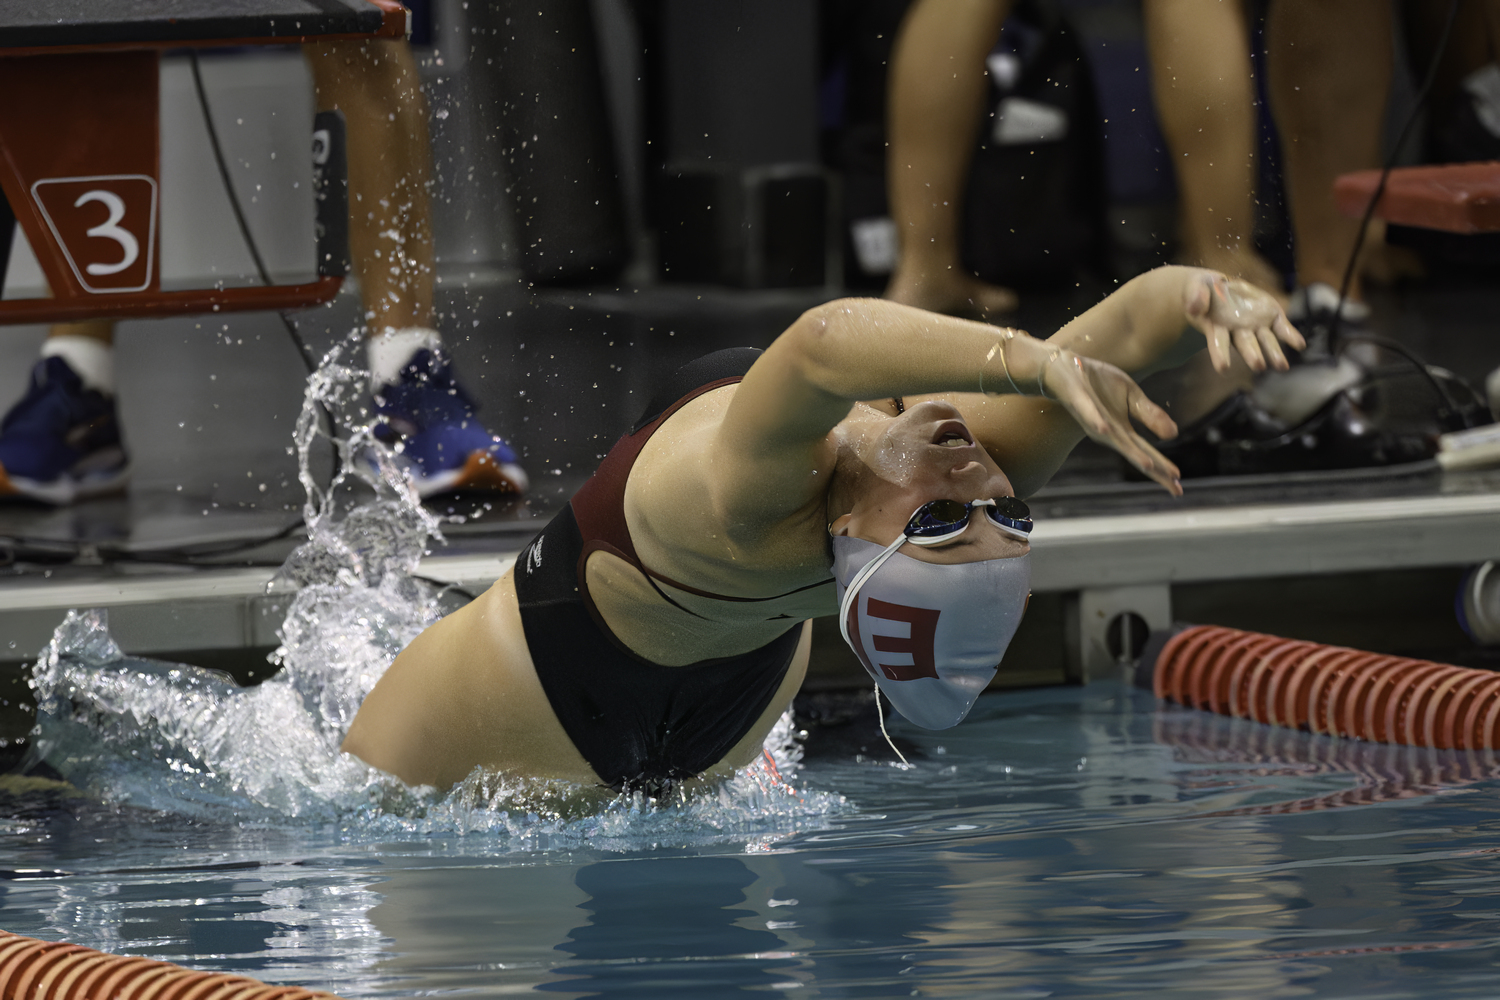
[
  {"x": 177, "y": 738},
  {"x": 184, "y": 740}
]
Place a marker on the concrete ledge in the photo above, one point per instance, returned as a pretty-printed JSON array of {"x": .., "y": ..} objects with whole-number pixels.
[
  {"x": 193, "y": 609},
  {"x": 209, "y": 609},
  {"x": 1229, "y": 543}
]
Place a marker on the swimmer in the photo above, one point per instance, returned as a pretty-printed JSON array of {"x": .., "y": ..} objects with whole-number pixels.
[{"x": 869, "y": 462}]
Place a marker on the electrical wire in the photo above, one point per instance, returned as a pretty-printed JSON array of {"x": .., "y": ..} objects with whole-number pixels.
[
  {"x": 1385, "y": 173},
  {"x": 303, "y": 351},
  {"x": 1396, "y": 347},
  {"x": 239, "y": 213}
]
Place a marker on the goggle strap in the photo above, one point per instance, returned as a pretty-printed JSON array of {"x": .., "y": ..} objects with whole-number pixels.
[{"x": 851, "y": 592}]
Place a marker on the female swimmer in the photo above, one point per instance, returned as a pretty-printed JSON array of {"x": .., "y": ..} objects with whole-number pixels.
[{"x": 658, "y": 627}]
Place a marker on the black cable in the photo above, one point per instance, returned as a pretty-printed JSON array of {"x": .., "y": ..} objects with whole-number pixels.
[
  {"x": 1397, "y": 347},
  {"x": 209, "y": 550},
  {"x": 1385, "y": 172},
  {"x": 234, "y": 201},
  {"x": 239, "y": 213},
  {"x": 303, "y": 351}
]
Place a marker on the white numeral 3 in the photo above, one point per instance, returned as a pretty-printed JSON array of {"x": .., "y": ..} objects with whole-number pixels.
[{"x": 110, "y": 229}]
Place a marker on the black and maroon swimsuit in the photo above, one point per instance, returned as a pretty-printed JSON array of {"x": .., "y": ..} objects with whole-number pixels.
[{"x": 640, "y": 725}]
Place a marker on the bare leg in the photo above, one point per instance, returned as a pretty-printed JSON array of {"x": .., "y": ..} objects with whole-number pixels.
[
  {"x": 937, "y": 91},
  {"x": 1205, "y": 100},
  {"x": 1328, "y": 64},
  {"x": 374, "y": 82}
]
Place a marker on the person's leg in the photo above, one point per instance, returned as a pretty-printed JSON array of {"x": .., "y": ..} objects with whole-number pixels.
[
  {"x": 1328, "y": 65},
  {"x": 1205, "y": 100},
  {"x": 61, "y": 441},
  {"x": 376, "y": 85},
  {"x": 937, "y": 90}
]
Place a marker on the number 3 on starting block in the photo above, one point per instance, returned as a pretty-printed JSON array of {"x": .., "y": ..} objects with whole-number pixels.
[{"x": 106, "y": 227}]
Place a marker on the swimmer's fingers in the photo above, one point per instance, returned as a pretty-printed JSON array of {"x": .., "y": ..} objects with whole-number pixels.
[
  {"x": 1286, "y": 333},
  {"x": 1271, "y": 348},
  {"x": 1218, "y": 346},
  {"x": 1136, "y": 449},
  {"x": 1140, "y": 453},
  {"x": 1148, "y": 414},
  {"x": 1103, "y": 399},
  {"x": 1217, "y": 337},
  {"x": 1249, "y": 348},
  {"x": 1155, "y": 465}
]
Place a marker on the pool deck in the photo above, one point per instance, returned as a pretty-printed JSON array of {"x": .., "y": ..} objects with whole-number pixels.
[{"x": 1114, "y": 560}]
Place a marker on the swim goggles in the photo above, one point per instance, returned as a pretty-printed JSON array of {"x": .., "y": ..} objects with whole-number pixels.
[{"x": 940, "y": 521}]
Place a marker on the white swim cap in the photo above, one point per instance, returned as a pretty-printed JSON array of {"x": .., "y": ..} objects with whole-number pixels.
[{"x": 931, "y": 635}]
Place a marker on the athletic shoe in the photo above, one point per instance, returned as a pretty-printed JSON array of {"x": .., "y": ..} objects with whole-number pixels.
[
  {"x": 61, "y": 442},
  {"x": 430, "y": 420}
]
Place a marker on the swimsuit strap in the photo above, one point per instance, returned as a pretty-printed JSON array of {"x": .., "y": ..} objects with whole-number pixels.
[{"x": 599, "y": 505}]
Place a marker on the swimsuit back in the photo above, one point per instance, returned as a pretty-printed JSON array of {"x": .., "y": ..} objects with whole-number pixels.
[{"x": 640, "y": 725}]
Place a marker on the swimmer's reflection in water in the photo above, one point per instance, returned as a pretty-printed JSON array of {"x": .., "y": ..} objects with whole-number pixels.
[
  {"x": 696, "y": 910},
  {"x": 656, "y": 630}
]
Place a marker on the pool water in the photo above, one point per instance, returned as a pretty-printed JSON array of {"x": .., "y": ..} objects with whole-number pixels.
[{"x": 1061, "y": 842}]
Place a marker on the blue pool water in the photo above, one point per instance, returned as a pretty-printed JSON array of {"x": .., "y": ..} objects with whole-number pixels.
[{"x": 1069, "y": 842}]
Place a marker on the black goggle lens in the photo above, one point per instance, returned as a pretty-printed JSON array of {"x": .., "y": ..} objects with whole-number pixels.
[
  {"x": 939, "y": 516},
  {"x": 1012, "y": 507}
]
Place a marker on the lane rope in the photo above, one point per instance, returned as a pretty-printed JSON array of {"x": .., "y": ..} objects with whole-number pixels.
[
  {"x": 1331, "y": 690},
  {"x": 31, "y": 969}
]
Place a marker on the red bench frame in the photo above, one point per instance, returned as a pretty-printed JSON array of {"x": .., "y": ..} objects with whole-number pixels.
[{"x": 80, "y": 166}]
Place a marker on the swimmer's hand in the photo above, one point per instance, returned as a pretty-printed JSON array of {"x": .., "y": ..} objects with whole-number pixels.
[
  {"x": 1103, "y": 399},
  {"x": 1229, "y": 311}
]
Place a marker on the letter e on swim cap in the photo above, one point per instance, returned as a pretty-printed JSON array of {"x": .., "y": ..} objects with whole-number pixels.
[{"x": 930, "y": 635}]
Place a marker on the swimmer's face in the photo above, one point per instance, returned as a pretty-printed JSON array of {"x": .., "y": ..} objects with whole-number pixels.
[{"x": 928, "y": 453}]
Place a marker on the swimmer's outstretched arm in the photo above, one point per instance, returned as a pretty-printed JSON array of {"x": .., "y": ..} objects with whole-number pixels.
[
  {"x": 774, "y": 438},
  {"x": 1137, "y": 328},
  {"x": 1142, "y": 320}
]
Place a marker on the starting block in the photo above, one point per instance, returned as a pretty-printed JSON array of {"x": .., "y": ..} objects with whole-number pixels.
[
  {"x": 80, "y": 146},
  {"x": 1454, "y": 197}
]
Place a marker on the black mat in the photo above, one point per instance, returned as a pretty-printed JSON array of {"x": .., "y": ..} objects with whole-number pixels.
[{"x": 27, "y": 23}]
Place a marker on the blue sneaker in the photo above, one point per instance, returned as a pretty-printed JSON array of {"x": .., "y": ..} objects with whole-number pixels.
[
  {"x": 61, "y": 442},
  {"x": 430, "y": 420}
]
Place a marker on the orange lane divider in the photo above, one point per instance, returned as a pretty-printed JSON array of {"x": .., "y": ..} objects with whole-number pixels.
[
  {"x": 1330, "y": 689},
  {"x": 50, "y": 970}
]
